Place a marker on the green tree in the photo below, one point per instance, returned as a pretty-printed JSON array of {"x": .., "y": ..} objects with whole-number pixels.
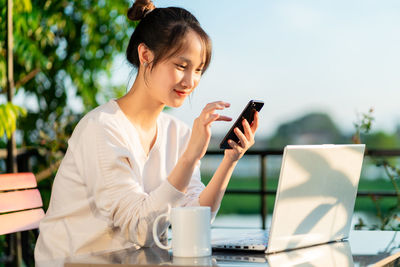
[
  {"x": 8, "y": 118},
  {"x": 312, "y": 128},
  {"x": 61, "y": 47}
]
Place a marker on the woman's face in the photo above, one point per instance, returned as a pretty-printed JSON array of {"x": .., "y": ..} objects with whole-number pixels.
[{"x": 174, "y": 79}]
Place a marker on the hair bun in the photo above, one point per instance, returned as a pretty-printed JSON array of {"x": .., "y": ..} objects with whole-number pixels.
[{"x": 139, "y": 9}]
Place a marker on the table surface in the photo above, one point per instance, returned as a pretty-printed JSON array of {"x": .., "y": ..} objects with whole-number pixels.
[{"x": 363, "y": 248}]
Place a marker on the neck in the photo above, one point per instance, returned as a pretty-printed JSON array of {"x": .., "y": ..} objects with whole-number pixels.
[{"x": 140, "y": 108}]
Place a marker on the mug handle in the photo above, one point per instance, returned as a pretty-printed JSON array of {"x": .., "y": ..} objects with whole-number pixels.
[{"x": 155, "y": 234}]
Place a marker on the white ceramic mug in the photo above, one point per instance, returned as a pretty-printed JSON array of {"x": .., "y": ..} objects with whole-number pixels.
[{"x": 191, "y": 234}]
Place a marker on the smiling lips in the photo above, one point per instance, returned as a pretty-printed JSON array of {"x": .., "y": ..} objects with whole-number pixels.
[{"x": 182, "y": 93}]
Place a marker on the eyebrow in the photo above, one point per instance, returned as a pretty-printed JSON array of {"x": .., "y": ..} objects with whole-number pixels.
[{"x": 189, "y": 61}]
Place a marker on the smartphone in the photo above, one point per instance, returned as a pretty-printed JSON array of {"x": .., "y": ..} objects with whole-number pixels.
[{"x": 247, "y": 114}]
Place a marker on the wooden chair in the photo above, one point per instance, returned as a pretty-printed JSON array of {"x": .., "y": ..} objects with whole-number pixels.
[{"x": 20, "y": 206}]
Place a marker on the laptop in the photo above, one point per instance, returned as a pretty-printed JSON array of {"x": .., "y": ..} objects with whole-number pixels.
[{"x": 314, "y": 201}]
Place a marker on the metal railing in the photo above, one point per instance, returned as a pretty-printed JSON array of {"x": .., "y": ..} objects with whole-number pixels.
[
  {"x": 24, "y": 155},
  {"x": 263, "y": 192}
]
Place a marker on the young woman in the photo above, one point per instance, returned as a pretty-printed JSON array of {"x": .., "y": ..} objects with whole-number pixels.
[{"x": 127, "y": 161}]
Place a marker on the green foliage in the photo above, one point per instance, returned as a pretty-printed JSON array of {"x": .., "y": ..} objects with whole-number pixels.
[
  {"x": 22, "y": 6},
  {"x": 8, "y": 118},
  {"x": 389, "y": 218},
  {"x": 381, "y": 140},
  {"x": 62, "y": 47},
  {"x": 363, "y": 124}
]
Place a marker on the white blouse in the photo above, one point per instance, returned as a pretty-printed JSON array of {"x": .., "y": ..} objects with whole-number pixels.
[{"x": 107, "y": 191}]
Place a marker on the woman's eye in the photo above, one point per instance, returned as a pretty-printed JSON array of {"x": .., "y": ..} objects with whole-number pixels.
[{"x": 180, "y": 66}]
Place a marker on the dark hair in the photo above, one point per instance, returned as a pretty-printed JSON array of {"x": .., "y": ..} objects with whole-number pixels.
[{"x": 163, "y": 30}]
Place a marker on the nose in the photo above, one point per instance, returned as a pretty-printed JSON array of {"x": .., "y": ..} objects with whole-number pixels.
[{"x": 188, "y": 81}]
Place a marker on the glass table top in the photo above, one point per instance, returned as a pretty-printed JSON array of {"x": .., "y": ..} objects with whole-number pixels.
[{"x": 363, "y": 248}]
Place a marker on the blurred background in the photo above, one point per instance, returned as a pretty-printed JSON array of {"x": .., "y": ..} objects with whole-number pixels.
[{"x": 328, "y": 72}]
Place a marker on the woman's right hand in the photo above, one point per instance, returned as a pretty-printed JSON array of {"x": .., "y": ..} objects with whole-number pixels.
[{"x": 201, "y": 131}]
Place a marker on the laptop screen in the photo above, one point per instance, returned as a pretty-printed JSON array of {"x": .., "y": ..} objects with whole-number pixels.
[{"x": 315, "y": 196}]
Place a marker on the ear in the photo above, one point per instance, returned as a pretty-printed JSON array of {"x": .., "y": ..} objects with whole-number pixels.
[{"x": 145, "y": 54}]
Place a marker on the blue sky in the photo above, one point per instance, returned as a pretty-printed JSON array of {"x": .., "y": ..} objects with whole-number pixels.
[{"x": 339, "y": 57}]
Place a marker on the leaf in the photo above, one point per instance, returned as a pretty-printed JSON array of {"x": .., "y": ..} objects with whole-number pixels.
[
  {"x": 18, "y": 111},
  {"x": 22, "y": 6},
  {"x": 2, "y": 121},
  {"x": 10, "y": 121},
  {"x": 8, "y": 118}
]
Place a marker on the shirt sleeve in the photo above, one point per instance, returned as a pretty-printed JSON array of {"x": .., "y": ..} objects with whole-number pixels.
[
  {"x": 113, "y": 185},
  {"x": 196, "y": 186}
]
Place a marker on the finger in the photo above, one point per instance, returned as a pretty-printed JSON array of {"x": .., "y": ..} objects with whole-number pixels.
[
  {"x": 211, "y": 118},
  {"x": 216, "y": 117},
  {"x": 224, "y": 118},
  {"x": 242, "y": 138},
  {"x": 234, "y": 145},
  {"x": 216, "y": 105},
  {"x": 254, "y": 124},
  {"x": 247, "y": 130},
  {"x": 223, "y": 103}
]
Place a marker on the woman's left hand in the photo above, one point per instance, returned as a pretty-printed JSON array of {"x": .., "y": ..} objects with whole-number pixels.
[{"x": 246, "y": 139}]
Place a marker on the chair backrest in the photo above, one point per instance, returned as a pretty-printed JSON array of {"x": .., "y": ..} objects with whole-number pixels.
[{"x": 20, "y": 203}]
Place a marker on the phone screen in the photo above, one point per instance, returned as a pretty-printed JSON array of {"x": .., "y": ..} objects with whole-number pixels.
[{"x": 247, "y": 114}]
